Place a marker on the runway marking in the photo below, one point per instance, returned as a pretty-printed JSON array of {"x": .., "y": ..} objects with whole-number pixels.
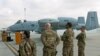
[{"x": 13, "y": 49}]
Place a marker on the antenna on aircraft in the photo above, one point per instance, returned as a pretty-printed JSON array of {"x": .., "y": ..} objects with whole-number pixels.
[{"x": 24, "y": 13}]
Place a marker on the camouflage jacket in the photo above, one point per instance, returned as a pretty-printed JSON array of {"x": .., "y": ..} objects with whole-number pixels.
[
  {"x": 81, "y": 38},
  {"x": 67, "y": 37},
  {"x": 27, "y": 48},
  {"x": 50, "y": 39}
]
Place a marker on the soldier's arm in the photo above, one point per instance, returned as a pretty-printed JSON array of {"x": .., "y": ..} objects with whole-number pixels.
[
  {"x": 43, "y": 38},
  {"x": 63, "y": 36},
  {"x": 57, "y": 39},
  {"x": 21, "y": 49},
  {"x": 78, "y": 36},
  {"x": 73, "y": 34},
  {"x": 33, "y": 48},
  {"x": 83, "y": 37}
]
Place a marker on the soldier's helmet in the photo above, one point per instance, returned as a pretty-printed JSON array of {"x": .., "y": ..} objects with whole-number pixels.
[{"x": 82, "y": 27}]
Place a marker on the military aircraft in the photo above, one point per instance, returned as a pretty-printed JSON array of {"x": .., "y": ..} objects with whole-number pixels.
[{"x": 37, "y": 26}]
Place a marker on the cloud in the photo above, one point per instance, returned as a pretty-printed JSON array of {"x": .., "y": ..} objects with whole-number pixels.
[
  {"x": 6, "y": 11},
  {"x": 13, "y": 10}
]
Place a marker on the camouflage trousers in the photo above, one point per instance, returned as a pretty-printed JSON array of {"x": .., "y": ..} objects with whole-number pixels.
[
  {"x": 49, "y": 51},
  {"x": 68, "y": 51},
  {"x": 81, "y": 50}
]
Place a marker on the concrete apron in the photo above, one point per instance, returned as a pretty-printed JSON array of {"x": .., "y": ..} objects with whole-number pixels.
[{"x": 13, "y": 49}]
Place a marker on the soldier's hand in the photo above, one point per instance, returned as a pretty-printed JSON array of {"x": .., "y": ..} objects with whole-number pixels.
[{"x": 50, "y": 45}]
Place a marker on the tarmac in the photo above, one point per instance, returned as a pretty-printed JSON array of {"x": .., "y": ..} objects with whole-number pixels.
[
  {"x": 92, "y": 44},
  {"x": 4, "y": 50}
]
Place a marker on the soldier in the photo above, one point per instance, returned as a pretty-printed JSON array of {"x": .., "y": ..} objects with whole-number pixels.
[
  {"x": 4, "y": 36},
  {"x": 50, "y": 41},
  {"x": 81, "y": 41},
  {"x": 27, "y": 46},
  {"x": 67, "y": 39}
]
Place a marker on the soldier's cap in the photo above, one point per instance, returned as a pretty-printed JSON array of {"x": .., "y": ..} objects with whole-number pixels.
[{"x": 82, "y": 27}]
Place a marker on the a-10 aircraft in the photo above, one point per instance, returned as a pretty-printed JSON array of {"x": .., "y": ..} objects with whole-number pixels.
[{"x": 57, "y": 24}]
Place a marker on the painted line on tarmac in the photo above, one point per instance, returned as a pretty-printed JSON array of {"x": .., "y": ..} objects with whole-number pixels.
[{"x": 13, "y": 49}]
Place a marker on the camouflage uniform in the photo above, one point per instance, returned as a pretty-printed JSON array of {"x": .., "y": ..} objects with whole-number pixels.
[
  {"x": 81, "y": 43},
  {"x": 4, "y": 36},
  {"x": 50, "y": 41},
  {"x": 27, "y": 48},
  {"x": 67, "y": 39}
]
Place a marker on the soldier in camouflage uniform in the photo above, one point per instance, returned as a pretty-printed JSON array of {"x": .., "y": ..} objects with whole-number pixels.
[
  {"x": 81, "y": 42},
  {"x": 67, "y": 39},
  {"x": 4, "y": 36},
  {"x": 27, "y": 46},
  {"x": 50, "y": 41}
]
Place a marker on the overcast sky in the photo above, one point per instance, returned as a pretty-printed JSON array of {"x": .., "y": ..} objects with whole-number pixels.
[{"x": 13, "y": 10}]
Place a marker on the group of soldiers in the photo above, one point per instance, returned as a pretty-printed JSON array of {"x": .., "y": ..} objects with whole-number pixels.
[{"x": 50, "y": 40}]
